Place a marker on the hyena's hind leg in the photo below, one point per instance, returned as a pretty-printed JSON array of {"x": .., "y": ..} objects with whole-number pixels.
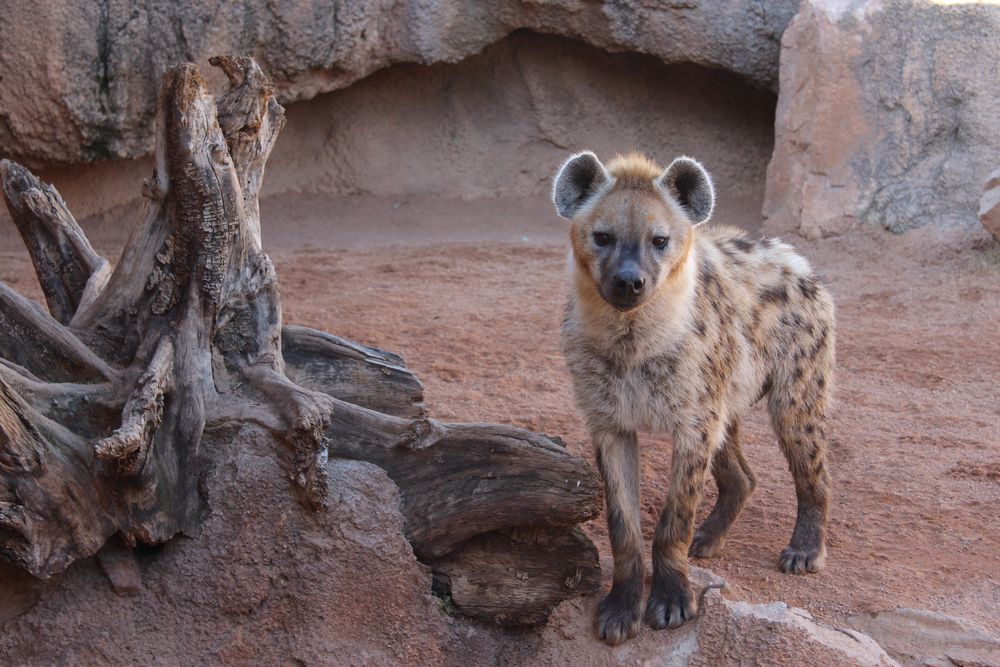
[
  {"x": 735, "y": 482},
  {"x": 798, "y": 412}
]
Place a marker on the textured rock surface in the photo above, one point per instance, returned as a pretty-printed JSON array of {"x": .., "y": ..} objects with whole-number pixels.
[
  {"x": 502, "y": 121},
  {"x": 776, "y": 634},
  {"x": 989, "y": 206},
  {"x": 80, "y": 78},
  {"x": 265, "y": 582},
  {"x": 927, "y": 637},
  {"x": 885, "y": 116},
  {"x": 726, "y": 632}
]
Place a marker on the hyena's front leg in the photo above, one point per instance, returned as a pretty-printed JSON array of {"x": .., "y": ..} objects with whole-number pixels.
[
  {"x": 619, "y": 613},
  {"x": 671, "y": 600}
]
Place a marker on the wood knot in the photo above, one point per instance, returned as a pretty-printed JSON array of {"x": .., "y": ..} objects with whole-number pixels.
[
  {"x": 152, "y": 189},
  {"x": 219, "y": 153}
]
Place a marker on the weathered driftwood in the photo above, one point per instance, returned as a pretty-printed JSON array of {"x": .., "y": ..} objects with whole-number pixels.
[
  {"x": 63, "y": 257},
  {"x": 104, "y": 400}
]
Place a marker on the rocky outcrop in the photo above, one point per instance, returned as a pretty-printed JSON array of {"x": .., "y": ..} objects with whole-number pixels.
[
  {"x": 499, "y": 123},
  {"x": 80, "y": 77},
  {"x": 881, "y": 119},
  {"x": 989, "y": 206},
  {"x": 734, "y": 632},
  {"x": 886, "y": 115}
]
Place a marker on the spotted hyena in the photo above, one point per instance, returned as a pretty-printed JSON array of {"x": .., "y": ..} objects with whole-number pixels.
[{"x": 678, "y": 327}]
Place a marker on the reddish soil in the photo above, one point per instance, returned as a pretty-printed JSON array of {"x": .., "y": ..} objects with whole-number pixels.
[{"x": 915, "y": 428}]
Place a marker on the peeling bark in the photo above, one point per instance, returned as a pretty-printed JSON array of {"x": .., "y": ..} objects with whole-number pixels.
[
  {"x": 128, "y": 447},
  {"x": 104, "y": 401}
]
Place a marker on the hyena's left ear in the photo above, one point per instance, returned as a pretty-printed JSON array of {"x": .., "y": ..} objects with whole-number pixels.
[
  {"x": 688, "y": 182},
  {"x": 581, "y": 177}
]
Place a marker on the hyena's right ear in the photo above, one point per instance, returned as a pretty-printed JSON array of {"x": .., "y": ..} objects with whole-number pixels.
[
  {"x": 688, "y": 182},
  {"x": 581, "y": 177}
]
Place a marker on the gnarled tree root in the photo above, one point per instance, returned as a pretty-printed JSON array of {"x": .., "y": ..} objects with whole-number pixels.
[{"x": 104, "y": 400}]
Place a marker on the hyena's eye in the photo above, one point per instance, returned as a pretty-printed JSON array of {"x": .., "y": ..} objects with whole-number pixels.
[
  {"x": 661, "y": 241},
  {"x": 602, "y": 238}
]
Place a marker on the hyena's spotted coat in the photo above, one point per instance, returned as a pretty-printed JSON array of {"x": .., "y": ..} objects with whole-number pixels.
[{"x": 680, "y": 327}]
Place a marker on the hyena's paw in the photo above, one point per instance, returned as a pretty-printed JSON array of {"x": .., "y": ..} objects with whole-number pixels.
[
  {"x": 706, "y": 542},
  {"x": 617, "y": 618},
  {"x": 670, "y": 605},
  {"x": 795, "y": 560}
]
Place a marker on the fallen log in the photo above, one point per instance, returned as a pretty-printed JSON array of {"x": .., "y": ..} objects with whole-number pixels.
[
  {"x": 105, "y": 398},
  {"x": 516, "y": 577}
]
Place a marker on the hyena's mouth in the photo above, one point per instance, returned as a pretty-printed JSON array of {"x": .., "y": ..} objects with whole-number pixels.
[{"x": 624, "y": 304}]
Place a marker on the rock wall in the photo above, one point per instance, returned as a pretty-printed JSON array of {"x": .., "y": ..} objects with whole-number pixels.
[
  {"x": 886, "y": 115},
  {"x": 496, "y": 124},
  {"x": 80, "y": 78},
  {"x": 499, "y": 123}
]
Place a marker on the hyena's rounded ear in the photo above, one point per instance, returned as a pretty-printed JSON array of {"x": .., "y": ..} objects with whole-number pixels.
[
  {"x": 579, "y": 179},
  {"x": 688, "y": 182}
]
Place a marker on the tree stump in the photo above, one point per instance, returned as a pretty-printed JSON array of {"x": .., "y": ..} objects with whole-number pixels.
[{"x": 105, "y": 398}]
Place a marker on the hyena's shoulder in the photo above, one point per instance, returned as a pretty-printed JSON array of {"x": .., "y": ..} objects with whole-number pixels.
[
  {"x": 766, "y": 269},
  {"x": 757, "y": 291}
]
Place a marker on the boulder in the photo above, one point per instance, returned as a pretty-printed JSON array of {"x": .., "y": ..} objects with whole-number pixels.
[
  {"x": 80, "y": 78},
  {"x": 264, "y": 582},
  {"x": 885, "y": 115},
  {"x": 726, "y": 632},
  {"x": 989, "y": 206},
  {"x": 736, "y": 633},
  {"x": 929, "y": 638}
]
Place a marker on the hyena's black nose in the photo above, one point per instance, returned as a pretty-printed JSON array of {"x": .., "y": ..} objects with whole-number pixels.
[{"x": 629, "y": 281}]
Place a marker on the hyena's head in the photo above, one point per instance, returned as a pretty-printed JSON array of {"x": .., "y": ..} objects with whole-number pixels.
[{"x": 632, "y": 221}]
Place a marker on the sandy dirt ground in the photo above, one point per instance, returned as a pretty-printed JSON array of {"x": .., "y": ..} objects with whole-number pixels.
[{"x": 471, "y": 295}]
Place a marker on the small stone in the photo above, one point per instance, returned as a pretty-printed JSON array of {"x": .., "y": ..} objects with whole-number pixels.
[
  {"x": 702, "y": 579},
  {"x": 989, "y": 205},
  {"x": 120, "y": 567}
]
